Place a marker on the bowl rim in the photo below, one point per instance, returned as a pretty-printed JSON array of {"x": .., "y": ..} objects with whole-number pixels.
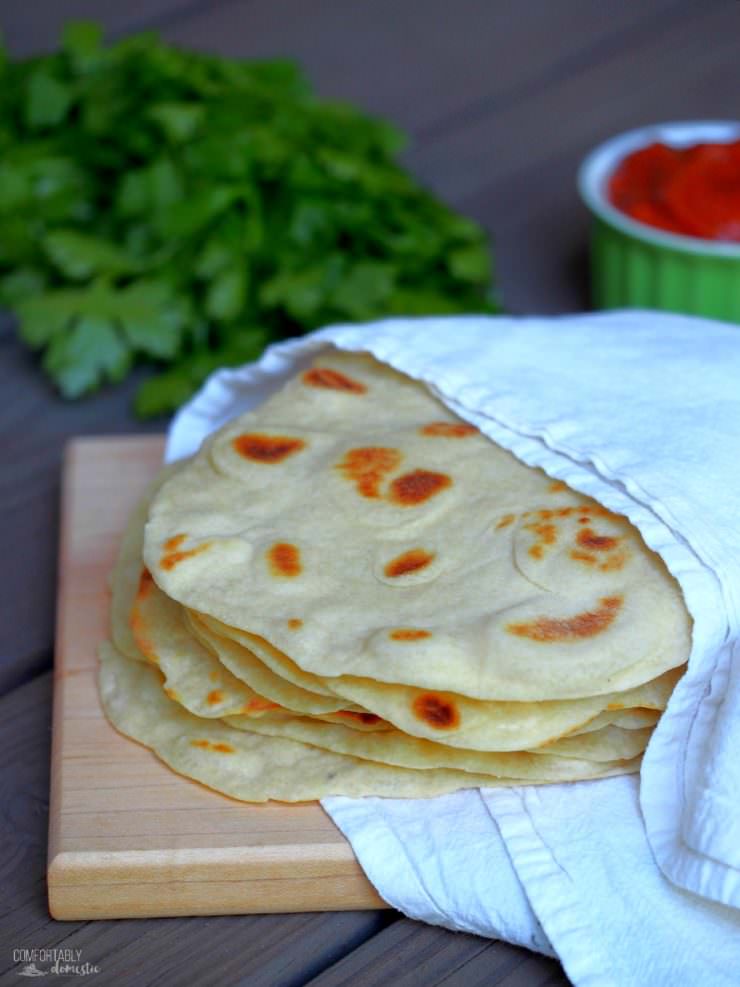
[{"x": 599, "y": 164}]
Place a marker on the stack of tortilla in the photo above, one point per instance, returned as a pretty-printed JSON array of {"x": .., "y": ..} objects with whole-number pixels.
[{"x": 352, "y": 591}]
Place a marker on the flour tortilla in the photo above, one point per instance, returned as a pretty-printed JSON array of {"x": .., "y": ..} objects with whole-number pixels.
[
  {"x": 147, "y": 625},
  {"x": 124, "y": 578},
  {"x": 262, "y": 650},
  {"x": 412, "y": 549},
  {"x": 473, "y": 724},
  {"x": 246, "y": 667},
  {"x": 606, "y": 744},
  {"x": 486, "y": 726},
  {"x": 195, "y": 677},
  {"x": 192, "y": 675},
  {"x": 247, "y": 766},
  {"x": 587, "y": 757},
  {"x": 625, "y": 719}
]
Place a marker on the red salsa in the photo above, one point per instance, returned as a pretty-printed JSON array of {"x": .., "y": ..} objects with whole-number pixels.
[{"x": 694, "y": 190}]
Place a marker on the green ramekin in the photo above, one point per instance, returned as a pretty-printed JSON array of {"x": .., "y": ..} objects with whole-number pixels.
[{"x": 636, "y": 265}]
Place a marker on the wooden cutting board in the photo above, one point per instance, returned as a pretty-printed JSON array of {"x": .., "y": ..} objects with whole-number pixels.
[{"x": 127, "y": 836}]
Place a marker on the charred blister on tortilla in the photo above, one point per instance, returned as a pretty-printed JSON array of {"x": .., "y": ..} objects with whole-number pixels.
[
  {"x": 266, "y": 449},
  {"x": 333, "y": 380}
]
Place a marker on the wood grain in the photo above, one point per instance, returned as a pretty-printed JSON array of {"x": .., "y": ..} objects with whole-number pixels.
[
  {"x": 430, "y": 68},
  {"x": 34, "y": 27},
  {"x": 127, "y": 836},
  {"x": 34, "y": 426},
  {"x": 408, "y": 953}
]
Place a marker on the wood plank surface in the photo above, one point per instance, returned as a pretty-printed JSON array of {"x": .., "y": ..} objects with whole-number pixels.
[
  {"x": 29, "y": 28},
  {"x": 34, "y": 426},
  {"x": 127, "y": 836},
  {"x": 428, "y": 68},
  {"x": 408, "y": 953}
]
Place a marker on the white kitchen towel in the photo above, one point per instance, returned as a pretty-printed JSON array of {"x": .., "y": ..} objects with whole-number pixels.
[
  {"x": 449, "y": 864},
  {"x": 641, "y": 411}
]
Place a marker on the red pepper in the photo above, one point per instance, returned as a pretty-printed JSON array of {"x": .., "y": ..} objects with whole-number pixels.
[{"x": 694, "y": 191}]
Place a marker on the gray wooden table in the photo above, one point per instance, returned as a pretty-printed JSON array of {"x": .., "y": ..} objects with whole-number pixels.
[{"x": 502, "y": 99}]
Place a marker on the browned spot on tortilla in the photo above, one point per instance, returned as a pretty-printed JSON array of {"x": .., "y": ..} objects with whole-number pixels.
[
  {"x": 215, "y": 697},
  {"x": 208, "y": 745},
  {"x": 409, "y": 634},
  {"x": 583, "y": 625},
  {"x": 416, "y": 487},
  {"x": 585, "y": 557},
  {"x": 615, "y": 706},
  {"x": 285, "y": 560},
  {"x": 584, "y": 520},
  {"x": 506, "y": 520},
  {"x": 332, "y": 380},
  {"x": 547, "y": 533},
  {"x": 411, "y": 561},
  {"x": 258, "y": 706},
  {"x": 586, "y": 511},
  {"x": 556, "y": 486},
  {"x": 587, "y": 538},
  {"x": 266, "y": 448},
  {"x": 615, "y": 561},
  {"x": 170, "y": 560},
  {"x": 436, "y": 711},
  {"x": 596, "y": 510},
  {"x": 367, "y": 467},
  {"x": 367, "y": 718},
  {"x": 449, "y": 430},
  {"x": 141, "y": 637},
  {"x": 213, "y": 676},
  {"x": 171, "y": 694},
  {"x": 547, "y": 513},
  {"x": 145, "y": 584},
  {"x": 172, "y": 543},
  {"x": 294, "y": 623}
]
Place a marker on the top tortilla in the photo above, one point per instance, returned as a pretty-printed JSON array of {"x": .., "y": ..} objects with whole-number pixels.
[{"x": 362, "y": 529}]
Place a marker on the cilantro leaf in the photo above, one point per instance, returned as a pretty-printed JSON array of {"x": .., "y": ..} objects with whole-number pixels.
[
  {"x": 81, "y": 41},
  {"x": 226, "y": 292},
  {"x": 86, "y": 356},
  {"x": 185, "y": 209},
  {"x": 167, "y": 391},
  {"x": 179, "y": 121},
  {"x": 48, "y": 100},
  {"x": 151, "y": 318},
  {"x": 79, "y": 255}
]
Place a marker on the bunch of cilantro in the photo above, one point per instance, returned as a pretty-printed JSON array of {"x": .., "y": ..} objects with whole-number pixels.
[{"x": 170, "y": 206}]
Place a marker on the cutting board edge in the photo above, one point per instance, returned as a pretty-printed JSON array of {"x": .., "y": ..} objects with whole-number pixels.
[{"x": 92, "y": 885}]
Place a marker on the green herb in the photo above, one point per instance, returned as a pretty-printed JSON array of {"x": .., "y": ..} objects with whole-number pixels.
[{"x": 158, "y": 204}]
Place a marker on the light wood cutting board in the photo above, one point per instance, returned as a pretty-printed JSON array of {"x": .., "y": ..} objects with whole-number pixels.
[{"x": 127, "y": 836}]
